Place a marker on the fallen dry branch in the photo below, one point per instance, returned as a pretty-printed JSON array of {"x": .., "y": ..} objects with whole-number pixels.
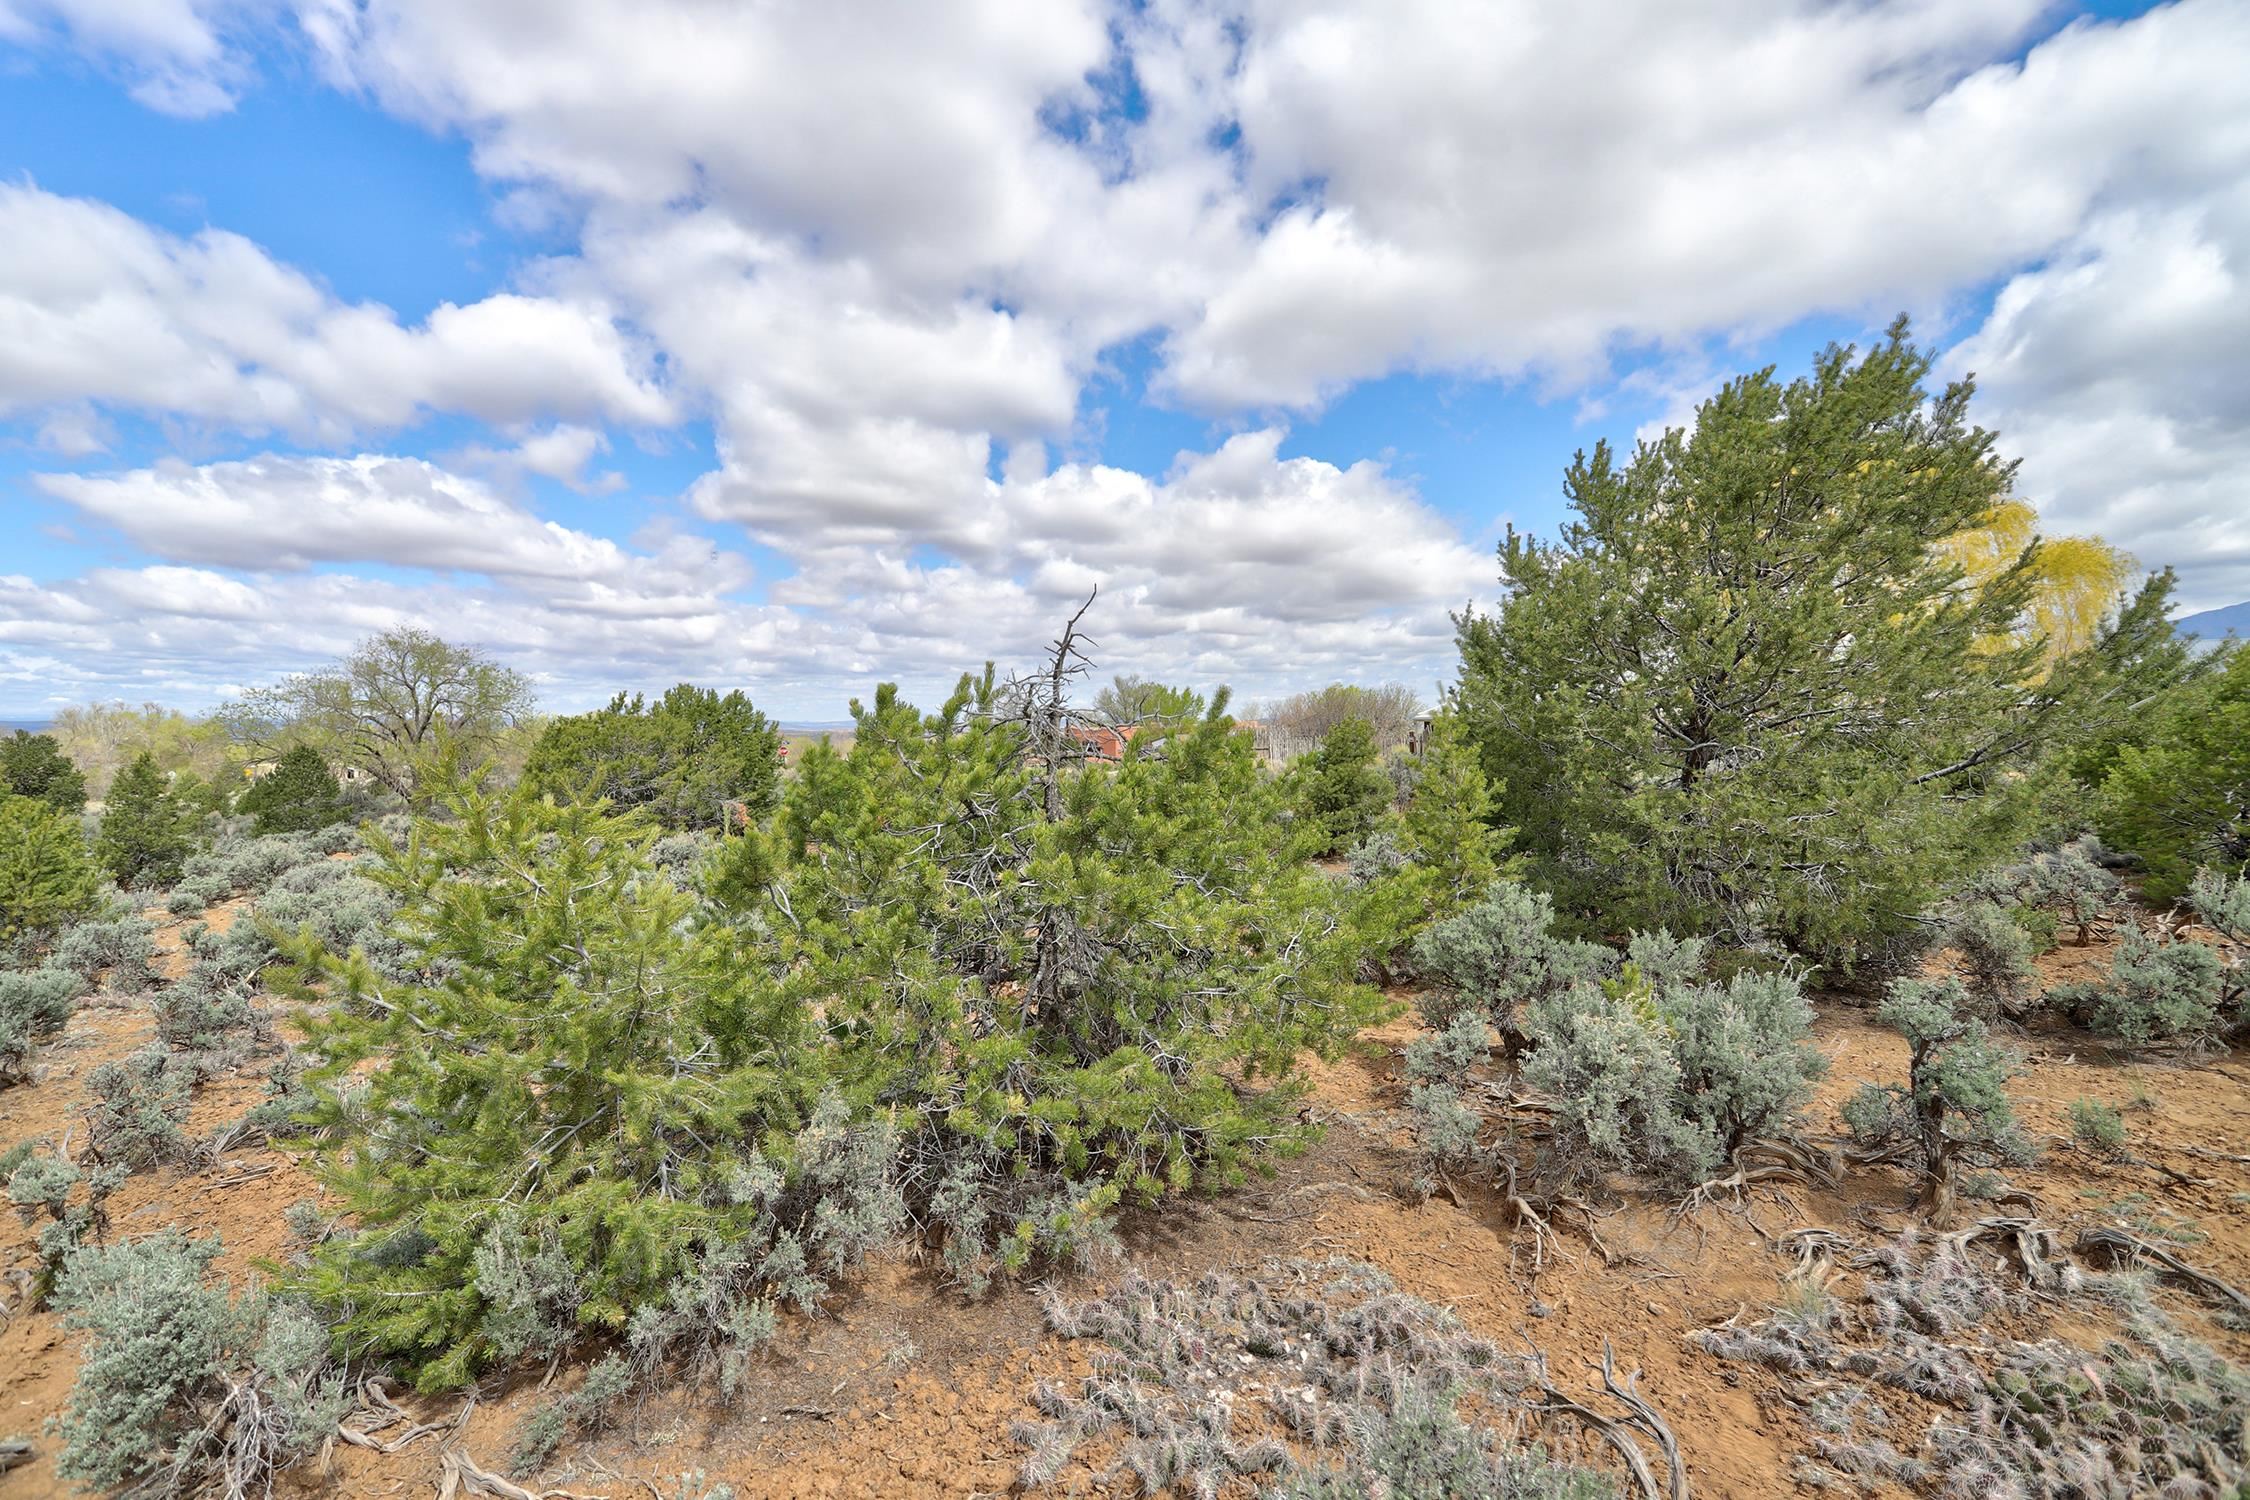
[
  {"x": 1642, "y": 1420},
  {"x": 2116, "y": 1244},
  {"x": 12, "y": 1452},
  {"x": 460, "y": 1475}
]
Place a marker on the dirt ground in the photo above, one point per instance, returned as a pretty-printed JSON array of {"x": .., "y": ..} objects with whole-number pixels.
[{"x": 904, "y": 1388}]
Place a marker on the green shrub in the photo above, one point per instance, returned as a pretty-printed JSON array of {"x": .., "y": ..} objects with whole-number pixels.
[
  {"x": 2223, "y": 901},
  {"x": 1340, "y": 789},
  {"x": 2097, "y": 1127},
  {"x": 47, "y": 877},
  {"x": 2067, "y": 884},
  {"x": 1953, "y": 1110},
  {"x": 33, "y": 765},
  {"x": 144, "y": 835},
  {"x": 679, "y": 759},
  {"x": 299, "y": 795},
  {"x": 2159, "y": 988},
  {"x": 602, "y": 1072},
  {"x": 181, "y": 1388},
  {"x": 2181, "y": 799}
]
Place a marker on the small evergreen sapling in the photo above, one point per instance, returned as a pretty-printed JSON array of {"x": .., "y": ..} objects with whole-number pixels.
[
  {"x": 1342, "y": 789},
  {"x": 47, "y": 876}
]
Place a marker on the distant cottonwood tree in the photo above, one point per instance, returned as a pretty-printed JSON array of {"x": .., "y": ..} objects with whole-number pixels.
[
  {"x": 1129, "y": 699},
  {"x": 1388, "y": 710},
  {"x": 389, "y": 706},
  {"x": 1749, "y": 689}
]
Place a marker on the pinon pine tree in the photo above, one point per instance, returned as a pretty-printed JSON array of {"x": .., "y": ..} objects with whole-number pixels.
[
  {"x": 298, "y": 796},
  {"x": 559, "y": 1130},
  {"x": 143, "y": 837},
  {"x": 1071, "y": 981},
  {"x": 46, "y": 875}
]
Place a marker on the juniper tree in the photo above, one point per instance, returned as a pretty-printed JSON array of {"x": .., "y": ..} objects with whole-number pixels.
[
  {"x": 1341, "y": 790},
  {"x": 33, "y": 765},
  {"x": 143, "y": 837},
  {"x": 2181, "y": 798},
  {"x": 1747, "y": 691},
  {"x": 299, "y": 795},
  {"x": 680, "y": 758}
]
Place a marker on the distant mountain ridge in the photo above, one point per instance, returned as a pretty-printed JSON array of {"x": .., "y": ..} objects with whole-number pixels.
[{"x": 2212, "y": 624}]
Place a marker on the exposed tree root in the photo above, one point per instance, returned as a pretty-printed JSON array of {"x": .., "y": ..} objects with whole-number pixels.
[
  {"x": 2037, "y": 1249},
  {"x": 2116, "y": 1244}
]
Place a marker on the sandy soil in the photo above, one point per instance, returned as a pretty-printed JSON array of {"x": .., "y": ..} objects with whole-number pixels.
[{"x": 904, "y": 1388}]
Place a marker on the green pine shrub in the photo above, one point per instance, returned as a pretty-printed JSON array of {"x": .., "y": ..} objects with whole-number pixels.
[
  {"x": 2159, "y": 989},
  {"x": 599, "y": 1069},
  {"x": 144, "y": 837},
  {"x": 679, "y": 759},
  {"x": 47, "y": 875},
  {"x": 1072, "y": 981},
  {"x": 184, "y": 1389},
  {"x": 1439, "y": 854}
]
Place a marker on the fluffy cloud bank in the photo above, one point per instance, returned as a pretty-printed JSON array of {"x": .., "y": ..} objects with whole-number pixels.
[{"x": 886, "y": 249}]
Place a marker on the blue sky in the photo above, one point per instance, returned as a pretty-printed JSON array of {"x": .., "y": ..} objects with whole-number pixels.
[{"x": 791, "y": 348}]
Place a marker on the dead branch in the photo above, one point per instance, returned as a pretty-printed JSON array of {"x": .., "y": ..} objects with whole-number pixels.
[
  {"x": 1641, "y": 1418},
  {"x": 2116, "y": 1244},
  {"x": 13, "y": 1452},
  {"x": 460, "y": 1474}
]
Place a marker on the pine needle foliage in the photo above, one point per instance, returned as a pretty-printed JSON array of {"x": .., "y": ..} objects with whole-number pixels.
[
  {"x": 593, "y": 1075},
  {"x": 298, "y": 796},
  {"x": 1069, "y": 981},
  {"x": 47, "y": 875}
]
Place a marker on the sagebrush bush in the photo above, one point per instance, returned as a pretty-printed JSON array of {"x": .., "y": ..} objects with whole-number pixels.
[
  {"x": 1745, "y": 1054},
  {"x": 1953, "y": 1109},
  {"x": 2069, "y": 883},
  {"x": 2097, "y": 1127},
  {"x": 1502, "y": 955},
  {"x": 117, "y": 942},
  {"x": 2223, "y": 901},
  {"x": 1996, "y": 955},
  {"x": 34, "y": 1004},
  {"x": 2159, "y": 988},
  {"x": 183, "y": 1388},
  {"x": 134, "y": 1109},
  {"x": 1603, "y": 1055}
]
